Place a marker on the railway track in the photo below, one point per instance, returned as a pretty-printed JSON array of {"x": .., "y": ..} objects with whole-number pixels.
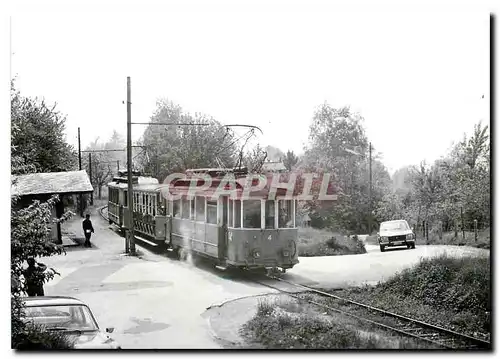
[
  {"x": 101, "y": 210},
  {"x": 437, "y": 336}
]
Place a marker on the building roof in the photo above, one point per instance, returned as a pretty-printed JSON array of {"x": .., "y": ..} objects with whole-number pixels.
[
  {"x": 51, "y": 183},
  {"x": 273, "y": 166}
]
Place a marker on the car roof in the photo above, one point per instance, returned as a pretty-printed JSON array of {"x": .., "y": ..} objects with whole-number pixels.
[
  {"x": 51, "y": 300},
  {"x": 395, "y": 221}
]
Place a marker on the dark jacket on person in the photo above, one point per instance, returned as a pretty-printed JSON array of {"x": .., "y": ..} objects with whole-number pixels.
[
  {"x": 87, "y": 225},
  {"x": 35, "y": 278}
]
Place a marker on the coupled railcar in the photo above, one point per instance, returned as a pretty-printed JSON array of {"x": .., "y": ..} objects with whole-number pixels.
[{"x": 253, "y": 232}]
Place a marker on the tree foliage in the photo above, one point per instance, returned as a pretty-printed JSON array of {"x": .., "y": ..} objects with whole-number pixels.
[
  {"x": 290, "y": 160},
  {"x": 170, "y": 149},
  {"x": 37, "y": 135},
  {"x": 452, "y": 192},
  {"x": 105, "y": 164},
  {"x": 338, "y": 145}
]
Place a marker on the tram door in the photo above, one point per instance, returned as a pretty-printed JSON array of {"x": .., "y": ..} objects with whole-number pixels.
[{"x": 222, "y": 245}]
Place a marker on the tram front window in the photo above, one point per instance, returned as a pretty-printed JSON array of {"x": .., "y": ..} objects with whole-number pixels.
[
  {"x": 285, "y": 219},
  {"x": 251, "y": 214},
  {"x": 269, "y": 214}
]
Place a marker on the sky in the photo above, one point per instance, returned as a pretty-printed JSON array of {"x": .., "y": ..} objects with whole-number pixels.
[{"x": 416, "y": 76}]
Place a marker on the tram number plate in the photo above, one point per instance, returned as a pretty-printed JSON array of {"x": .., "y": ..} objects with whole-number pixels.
[{"x": 270, "y": 237}]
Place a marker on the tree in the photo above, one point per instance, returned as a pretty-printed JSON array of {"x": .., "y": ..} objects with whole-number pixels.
[
  {"x": 38, "y": 135},
  {"x": 290, "y": 160},
  {"x": 453, "y": 191},
  {"x": 104, "y": 163},
  {"x": 338, "y": 145},
  {"x": 170, "y": 149},
  {"x": 254, "y": 159},
  {"x": 274, "y": 154}
]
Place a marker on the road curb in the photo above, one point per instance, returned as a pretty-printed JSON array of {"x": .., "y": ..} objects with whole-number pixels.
[{"x": 239, "y": 298}]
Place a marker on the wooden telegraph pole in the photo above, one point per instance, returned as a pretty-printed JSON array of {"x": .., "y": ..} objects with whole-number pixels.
[
  {"x": 370, "y": 194},
  {"x": 131, "y": 237},
  {"x": 90, "y": 175},
  {"x": 80, "y": 168}
]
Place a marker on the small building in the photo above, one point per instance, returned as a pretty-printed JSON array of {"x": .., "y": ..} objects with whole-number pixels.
[{"x": 41, "y": 186}]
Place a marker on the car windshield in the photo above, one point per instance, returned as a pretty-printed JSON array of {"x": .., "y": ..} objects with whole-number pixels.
[
  {"x": 62, "y": 317},
  {"x": 394, "y": 226}
]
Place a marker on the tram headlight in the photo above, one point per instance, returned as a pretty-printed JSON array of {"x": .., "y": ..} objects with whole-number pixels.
[
  {"x": 256, "y": 253},
  {"x": 286, "y": 253}
]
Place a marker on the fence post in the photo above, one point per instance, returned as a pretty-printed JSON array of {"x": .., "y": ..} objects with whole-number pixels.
[
  {"x": 463, "y": 223},
  {"x": 440, "y": 230},
  {"x": 475, "y": 230}
]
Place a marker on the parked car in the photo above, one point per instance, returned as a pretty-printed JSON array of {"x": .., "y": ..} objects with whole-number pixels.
[
  {"x": 395, "y": 233},
  {"x": 71, "y": 316}
]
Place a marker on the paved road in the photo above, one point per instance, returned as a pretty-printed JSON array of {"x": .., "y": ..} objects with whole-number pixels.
[
  {"x": 369, "y": 268},
  {"x": 155, "y": 302}
]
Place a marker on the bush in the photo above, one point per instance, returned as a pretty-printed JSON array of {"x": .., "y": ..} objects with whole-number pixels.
[
  {"x": 35, "y": 337},
  {"x": 319, "y": 242},
  {"x": 444, "y": 282},
  {"x": 275, "y": 329},
  {"x": 448, "y": 291}
]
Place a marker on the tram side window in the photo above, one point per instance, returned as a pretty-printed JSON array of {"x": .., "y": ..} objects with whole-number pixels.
[
  {"x": 285, "y": 219},
  {"x": 200, "y": 209},
  {"x": 269, "y": 214},
  {"x": 251, "y": 214},
  {"x": 237, "y": 214},
  {"x": 229, "y": 212},
  {"x": 185, "y": 208},
  {"x": 212, "y": 212},
  {"x": 153, "y": 198},
  {"x": 176, "y": 208},
  {"x": 193, "y": 209},
  {"x": 125, "y": 200}
]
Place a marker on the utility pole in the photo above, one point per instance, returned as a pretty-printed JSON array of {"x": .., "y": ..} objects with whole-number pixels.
[
  {"x": 117, "y": 166},
  {"x": 80, "y": 168},
  {"x": 129, "y": 173},
  {"x": 90, "y": 175},
  {"x": 370, "y": 194}
]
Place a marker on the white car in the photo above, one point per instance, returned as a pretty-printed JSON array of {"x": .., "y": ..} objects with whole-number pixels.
[
  {"x": 395, "y": 233},
  {"x": 71, "y": 316}
]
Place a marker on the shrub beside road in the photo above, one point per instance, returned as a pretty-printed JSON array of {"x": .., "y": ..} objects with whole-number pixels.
[{"x": 314, "y": 242}]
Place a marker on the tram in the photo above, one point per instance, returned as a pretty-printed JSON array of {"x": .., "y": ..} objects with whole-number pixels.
[{"x": 250, "y": 232}]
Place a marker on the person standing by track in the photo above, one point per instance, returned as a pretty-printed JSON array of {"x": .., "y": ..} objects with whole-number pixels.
[
  {"x": 34, "y": 278},
  {"x": 88, "y": 229}
]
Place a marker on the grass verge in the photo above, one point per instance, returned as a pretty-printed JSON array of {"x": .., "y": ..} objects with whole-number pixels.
[
  {"x": 448, "y": 238},
  {"x": 316, "y": 242},
  {"x": 289, "y": 324}
]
